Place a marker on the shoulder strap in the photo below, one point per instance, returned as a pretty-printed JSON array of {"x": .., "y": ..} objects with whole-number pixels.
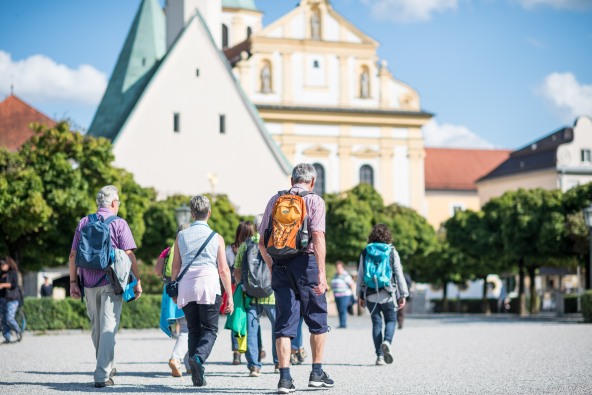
[
  {"x": 196, "y": 255},
  {"x": 110, "y": 219},
  {"x": 93, "y": 218}
]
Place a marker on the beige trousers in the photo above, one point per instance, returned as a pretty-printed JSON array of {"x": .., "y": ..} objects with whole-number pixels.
[{"x": 104, "y": 310}]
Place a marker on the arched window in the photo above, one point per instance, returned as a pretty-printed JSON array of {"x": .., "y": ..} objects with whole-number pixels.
[
  {"x": 249, "y": 32},
  {"x": 315, "y": 24},
  {"x": 224, "y": 36},
  {"x": 365, "y": 83},
  {"x": 319, "y": 187},
  {"x": 367, "y": 175},
  {"x": 266, "y": 86}
]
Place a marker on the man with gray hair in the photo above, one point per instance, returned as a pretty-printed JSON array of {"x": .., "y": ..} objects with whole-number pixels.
[
  {"x": 102, "y": 304},
  {"x": 300, "y": 283}
]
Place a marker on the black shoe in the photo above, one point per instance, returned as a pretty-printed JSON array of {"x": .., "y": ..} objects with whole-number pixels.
[
  {"x": 286, "y": 386},
  {"x": 19, "y": 336},
  {"x": 108, "y": 383},
  {"x": 113, "y": 373},
  {"x": 197, "y": 372},
  {"x": 320, "y": 380},
  {"x": 350, "y": 309}
]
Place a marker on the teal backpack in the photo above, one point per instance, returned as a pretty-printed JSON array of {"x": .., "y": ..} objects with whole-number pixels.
[{"x": 377, "y": 265}]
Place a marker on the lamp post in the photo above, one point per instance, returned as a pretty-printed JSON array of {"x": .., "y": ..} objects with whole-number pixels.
[
  {"x": 588, "y": 218},
  {"x": 183, "y": 214}
]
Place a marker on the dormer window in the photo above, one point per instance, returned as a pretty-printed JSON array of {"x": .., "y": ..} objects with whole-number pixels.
[{"x": 586, "y": 156}]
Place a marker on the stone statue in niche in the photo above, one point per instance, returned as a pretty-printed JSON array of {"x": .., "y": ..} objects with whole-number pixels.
[
  {"x": 266, "y": 79},
  {"x": 364, "y": 85},
  {"x": 315, "y": 25}
]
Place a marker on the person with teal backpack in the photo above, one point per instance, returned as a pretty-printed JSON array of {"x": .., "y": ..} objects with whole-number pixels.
[{"x": 380, "y": 282}]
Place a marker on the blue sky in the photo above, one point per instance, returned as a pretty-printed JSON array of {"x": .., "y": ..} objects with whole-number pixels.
[{"x": 496, "y": 73}]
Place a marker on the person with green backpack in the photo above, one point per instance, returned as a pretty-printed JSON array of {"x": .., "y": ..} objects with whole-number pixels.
[{"x": 382, "y": 288}]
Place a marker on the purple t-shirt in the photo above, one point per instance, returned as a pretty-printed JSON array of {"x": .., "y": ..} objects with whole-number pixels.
[
  {"x": 121, "y": 237},
  {"x": 315, "y": 209}
]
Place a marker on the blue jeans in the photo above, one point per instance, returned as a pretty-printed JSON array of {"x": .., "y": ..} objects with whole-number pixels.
[
  {"x": 8, "y": 310},
  {"x": 342, "y": 303},
  {"x": 254, "y": 311},
  {"x": 296, "y": 343},
  {"x": 386, "y": 310}
]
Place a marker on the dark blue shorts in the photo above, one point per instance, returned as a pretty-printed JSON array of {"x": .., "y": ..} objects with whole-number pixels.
[{"x": 293, "y": 281}]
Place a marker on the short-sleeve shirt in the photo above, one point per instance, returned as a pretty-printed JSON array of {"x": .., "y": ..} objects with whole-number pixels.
[
  {"x": 315, "y": 209},
  {"x": 121, "y": 237}
]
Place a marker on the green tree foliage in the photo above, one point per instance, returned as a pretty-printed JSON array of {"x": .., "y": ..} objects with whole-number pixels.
[
  {"x": 351, "y": 215},
  {"x": 224, "y": 219},
  {"x": 49, "y": 184}
]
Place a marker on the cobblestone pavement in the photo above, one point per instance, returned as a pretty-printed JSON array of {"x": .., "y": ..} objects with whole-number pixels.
[{"x": 450, "y": 355}]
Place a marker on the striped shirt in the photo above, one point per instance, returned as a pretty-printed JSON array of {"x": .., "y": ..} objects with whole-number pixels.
[
  {"x": 315, "y": 209},
  {"x": 121, "y": 237},
  {"x": 238, "y": 262}
]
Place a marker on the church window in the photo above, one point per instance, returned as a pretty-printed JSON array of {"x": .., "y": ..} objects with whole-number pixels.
[
  {"x": 224, "y": 36},
  {"x": 197, "y": 72},
  {"x": 315, "y": 24},
  {"x": 176, "y": 122},
  {"x": 143, "y": 61},
  {"x": 315, "y": 64},
  {"x": 586, "y": 156},
  {"x": 365, "y": 83},
  {"x": 249, "y": 32},
  {"x": 319, "y": 187},
  {"x": 222, "y": 124},
  {"x": 367, "y": 175},
  {"x": 266, "y": 81}
]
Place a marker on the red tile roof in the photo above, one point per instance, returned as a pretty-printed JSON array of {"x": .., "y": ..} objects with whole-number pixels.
[
  {"x": 458, "y": 169},
  {"x": 15, "y": 118}
]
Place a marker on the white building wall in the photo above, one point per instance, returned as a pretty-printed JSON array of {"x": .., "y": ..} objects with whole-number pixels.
[
  {"x": 401, "y": 175},
  {"x": 330, "y": 29},
  {"x": 315, "y": 86},
  {"x": 176, "y": 163}
]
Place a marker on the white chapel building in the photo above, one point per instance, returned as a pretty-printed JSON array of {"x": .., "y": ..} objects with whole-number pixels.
[{"x": 205, "y": 98}]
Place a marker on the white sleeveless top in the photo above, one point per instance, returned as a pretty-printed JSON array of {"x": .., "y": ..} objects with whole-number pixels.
[{"x": 201, "y": 282}]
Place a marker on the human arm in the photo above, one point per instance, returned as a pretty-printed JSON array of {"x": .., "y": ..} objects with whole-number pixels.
[
  {"x": 136, "y": 272},
  {"x": 12, "y": 282},
  {"x": 320, "y": 251},
  {"x": 224, "y": 272},
  {"x": 360, "y": 282},
  {"x": 176, "y": 267},
  {"x": 400, "y": 279},
  {"x": 161, "y": 261},
  {"x": 74, "y": 288},
  {"x": 238, "y": 273}
]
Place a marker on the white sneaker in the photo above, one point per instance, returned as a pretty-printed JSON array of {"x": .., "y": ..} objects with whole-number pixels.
[
  {"x": 380, "y": 360},
  {"x": 386, "y": 350}
]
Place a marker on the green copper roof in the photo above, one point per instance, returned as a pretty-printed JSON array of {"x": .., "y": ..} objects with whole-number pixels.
[
  {"x": 245, "y": 4},
  {"x": 144, "y": 46}
]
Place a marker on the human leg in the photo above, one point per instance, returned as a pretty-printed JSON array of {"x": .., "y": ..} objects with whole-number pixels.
[
  {"x": 3, "y": 312},
  {"x": 376, "y": 326},
  {"x": 110, "y": 314},
  {"x": 390, "y": 318},
  {"x": 180, "y": 349},
  {"x": 208, "y": 315},
  {"x": 252, "y": 354},
  {"x": 342, "y": 302},
  {"x": 270, "y": 313}
]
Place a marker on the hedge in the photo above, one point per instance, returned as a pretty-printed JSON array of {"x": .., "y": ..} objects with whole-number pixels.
[
  {"x": 49, "y": 314},
  {"x": 587, "y": 306}
]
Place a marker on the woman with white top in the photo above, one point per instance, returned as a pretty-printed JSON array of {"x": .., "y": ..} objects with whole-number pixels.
[{"x": 199, "y": 289}]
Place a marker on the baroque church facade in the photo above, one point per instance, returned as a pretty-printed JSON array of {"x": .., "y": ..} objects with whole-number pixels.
[{"x": 204, "y": 98}]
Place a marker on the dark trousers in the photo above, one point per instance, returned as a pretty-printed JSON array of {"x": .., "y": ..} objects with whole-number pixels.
[{"x": 202, "y": 322}]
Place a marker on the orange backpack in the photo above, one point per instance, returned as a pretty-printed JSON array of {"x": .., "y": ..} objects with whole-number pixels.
[{"x": 287, "y": 233}]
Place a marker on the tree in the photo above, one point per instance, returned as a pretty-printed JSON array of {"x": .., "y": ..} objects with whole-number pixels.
[
  {"x": 49, "y": 184},
  {"x": 532, "y": 230},
  {"x": 578, "y": 233}
]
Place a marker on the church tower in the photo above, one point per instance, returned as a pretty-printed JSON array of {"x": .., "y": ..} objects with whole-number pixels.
[
  {"x": 240, "y": 20},
  {"x": 179, "y": 12}
]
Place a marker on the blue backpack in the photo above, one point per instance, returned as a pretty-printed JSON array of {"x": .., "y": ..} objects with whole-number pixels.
[
  {"x": 94, "y": 248},
  {"x": 377, "y": 265}
]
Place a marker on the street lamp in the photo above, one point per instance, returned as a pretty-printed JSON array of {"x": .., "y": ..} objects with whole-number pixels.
[
  {"x": 183, "y": 214},
  {"x": 588, "y": 218}
]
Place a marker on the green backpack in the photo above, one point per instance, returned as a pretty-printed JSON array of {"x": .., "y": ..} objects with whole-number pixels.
[{"x": 167, "y": 267}]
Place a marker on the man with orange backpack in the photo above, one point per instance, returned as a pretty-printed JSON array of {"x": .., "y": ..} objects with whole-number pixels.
[{"x": 292, "y": 243}]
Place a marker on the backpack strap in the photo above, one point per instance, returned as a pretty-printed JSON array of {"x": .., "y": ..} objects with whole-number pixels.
[{"x": 110, "y": 219}]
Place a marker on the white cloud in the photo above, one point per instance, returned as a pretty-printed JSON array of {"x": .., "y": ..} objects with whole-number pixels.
[
  {"x": 452, "y": 136},
  {"x": 566, "y": 95},
  {"x": 408, "y": 10},
  {"x": 40, "y": 79},
  {"x": 576, "y": 5}
]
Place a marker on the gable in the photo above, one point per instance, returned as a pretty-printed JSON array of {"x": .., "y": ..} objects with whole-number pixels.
[
  {"x": 195, "y": 82},
  {"x": 296, "y": 25}
]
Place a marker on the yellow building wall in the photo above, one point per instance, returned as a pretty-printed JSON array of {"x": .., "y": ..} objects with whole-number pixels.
[
  {"x": 489, "y": 189},
  {"x": 440, "y": 204}
]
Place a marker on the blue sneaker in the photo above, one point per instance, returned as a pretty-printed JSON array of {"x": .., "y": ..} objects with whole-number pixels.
[
  {"x": 320, "y": 380},
  {"x": 197, "y": 372}
]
